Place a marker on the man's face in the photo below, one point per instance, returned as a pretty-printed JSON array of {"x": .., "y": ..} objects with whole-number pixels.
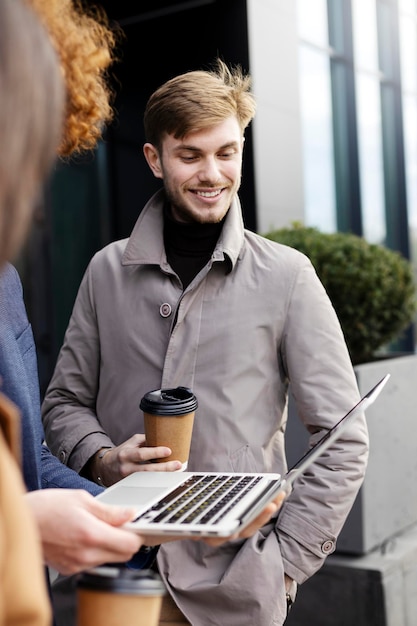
[{"x": 201, "y": 172}]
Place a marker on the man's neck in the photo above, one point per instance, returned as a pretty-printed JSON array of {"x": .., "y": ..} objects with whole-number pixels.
[{"x": 189, "y": 246}]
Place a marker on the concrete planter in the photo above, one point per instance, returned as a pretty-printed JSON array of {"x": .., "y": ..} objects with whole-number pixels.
[{"x": 387, "y": 502}]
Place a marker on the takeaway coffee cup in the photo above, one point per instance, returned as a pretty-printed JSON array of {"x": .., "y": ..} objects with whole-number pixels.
[
  {"x": 113, "y": 596},
  {"x": 169, "y": 419}
]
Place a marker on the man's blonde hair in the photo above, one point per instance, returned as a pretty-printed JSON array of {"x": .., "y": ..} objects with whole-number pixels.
[{"x": 199, "y": 99}]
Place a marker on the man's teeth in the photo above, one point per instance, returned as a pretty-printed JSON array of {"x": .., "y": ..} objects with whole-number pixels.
[{"x": 209, "y": 194}]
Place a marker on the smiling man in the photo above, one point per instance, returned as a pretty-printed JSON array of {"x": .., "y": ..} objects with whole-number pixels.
[
  {"x": 201, "y": 172},
  {"x": 193, "y": 298}
]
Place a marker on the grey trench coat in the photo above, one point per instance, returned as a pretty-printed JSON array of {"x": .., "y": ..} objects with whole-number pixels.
[{"x": 255, "y": 319}]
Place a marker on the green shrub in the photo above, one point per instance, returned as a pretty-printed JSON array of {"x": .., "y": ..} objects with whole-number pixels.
[{"x": 371, "y": 287}]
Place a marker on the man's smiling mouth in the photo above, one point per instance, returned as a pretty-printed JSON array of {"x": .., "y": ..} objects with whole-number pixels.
[{"x": 208, "y": 194}]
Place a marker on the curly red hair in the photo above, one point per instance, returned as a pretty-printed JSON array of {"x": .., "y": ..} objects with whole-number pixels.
[{"x": 85, "y": 44}]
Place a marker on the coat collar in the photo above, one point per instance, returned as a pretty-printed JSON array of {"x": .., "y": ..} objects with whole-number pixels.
[{"x": 145, "y": 245}]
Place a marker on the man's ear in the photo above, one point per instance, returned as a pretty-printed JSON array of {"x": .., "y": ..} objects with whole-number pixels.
[{"x": 153, "y": 160}]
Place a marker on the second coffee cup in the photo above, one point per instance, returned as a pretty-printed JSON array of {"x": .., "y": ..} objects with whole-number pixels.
[
  {"x": 112, "y": 596},
  {"x": 169, "y": 420}
]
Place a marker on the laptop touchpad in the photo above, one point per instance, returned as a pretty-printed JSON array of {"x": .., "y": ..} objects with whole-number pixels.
[{"x": 131, "y": 496}]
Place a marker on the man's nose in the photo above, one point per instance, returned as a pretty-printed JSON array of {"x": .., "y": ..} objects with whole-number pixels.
[{"x": 209, "y": 170}]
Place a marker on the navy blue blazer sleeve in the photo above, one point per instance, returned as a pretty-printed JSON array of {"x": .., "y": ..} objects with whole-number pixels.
[
  {"x": 20, "y": 382},
  {"x": 56, "y": 474}
]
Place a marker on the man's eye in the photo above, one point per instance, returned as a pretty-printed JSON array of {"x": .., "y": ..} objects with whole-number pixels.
[{"x": 188, "y": 158}]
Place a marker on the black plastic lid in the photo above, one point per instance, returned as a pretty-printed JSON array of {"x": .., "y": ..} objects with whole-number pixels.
[
  {"x": 178, "y": 401},
  {"x": 122, "y": 580}
]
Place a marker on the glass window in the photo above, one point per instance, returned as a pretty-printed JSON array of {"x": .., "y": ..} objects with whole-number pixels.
[
  {"x": 388, "y": 41},
  {"x": 408, "y": 61},
  {"x": 312, "y": 21},
  {"x": 408, "y": 53},
  {"x": 410, "y": 140},
  {"x": 370, "y": 158},
  {"x": 368, "y": 113},
  {"x": 316, "y": 112},
  {"x": 365, "y": 34},
  {"x": 408, "y": 6}
]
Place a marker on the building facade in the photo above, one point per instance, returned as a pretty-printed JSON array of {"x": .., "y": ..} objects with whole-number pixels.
[{"x": 333, "y": 144}]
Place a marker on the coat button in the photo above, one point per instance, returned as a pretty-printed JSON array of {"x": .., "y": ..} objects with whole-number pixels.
[
  {"x": 165, "y": 310},
  {"x": 62, "y": 456},
  {"x": 327, "y": 547}
]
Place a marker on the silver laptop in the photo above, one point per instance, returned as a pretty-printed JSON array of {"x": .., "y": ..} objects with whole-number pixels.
[{"x": 213, "y": 503}]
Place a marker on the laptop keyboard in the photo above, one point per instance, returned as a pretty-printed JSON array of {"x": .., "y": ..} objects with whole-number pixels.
[{"x": 200, "y": 499}]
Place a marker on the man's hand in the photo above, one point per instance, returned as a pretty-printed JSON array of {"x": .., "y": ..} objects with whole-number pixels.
[
  {"x": 288, "y": 583},
  {"x": 131, "y": 456}
]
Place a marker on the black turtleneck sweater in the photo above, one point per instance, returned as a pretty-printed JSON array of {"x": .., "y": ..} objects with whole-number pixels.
[{"x": 189, "y": 246}]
